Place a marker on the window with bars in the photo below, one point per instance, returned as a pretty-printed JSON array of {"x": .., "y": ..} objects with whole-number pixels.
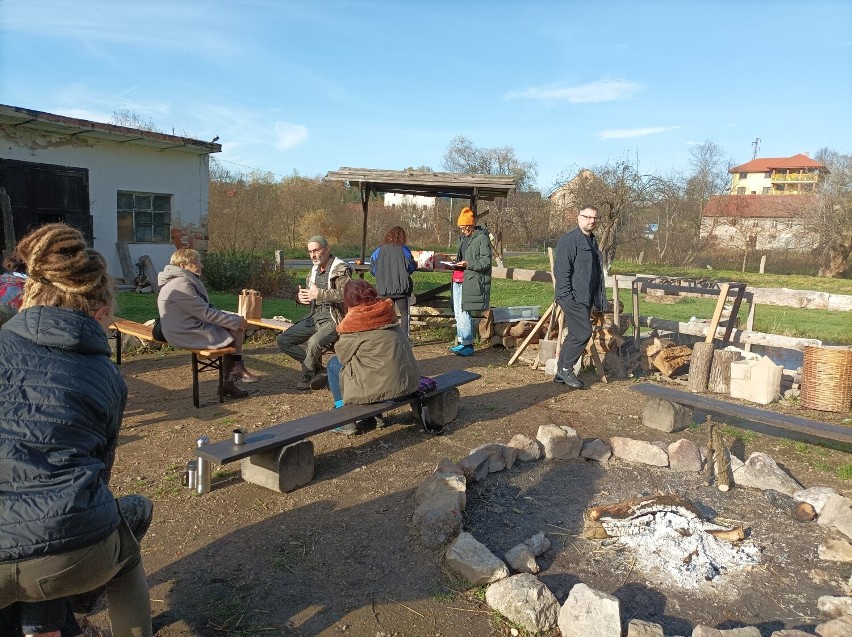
[{"x": 144, "y": 217}]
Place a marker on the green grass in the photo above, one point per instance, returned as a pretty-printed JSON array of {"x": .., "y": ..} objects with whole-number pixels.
[{"x": 829, "y": 327}]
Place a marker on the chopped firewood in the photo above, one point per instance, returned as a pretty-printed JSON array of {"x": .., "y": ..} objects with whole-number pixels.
[
  {"x": 671, "y": 359},
  {"x": 731, "y": 535}
]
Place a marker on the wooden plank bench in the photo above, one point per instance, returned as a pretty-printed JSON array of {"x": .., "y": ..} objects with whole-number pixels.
[
  {"x": 280, "y": 458},
  {"x": 202, "y": 359},
  {"x": 795, "y": 424}
]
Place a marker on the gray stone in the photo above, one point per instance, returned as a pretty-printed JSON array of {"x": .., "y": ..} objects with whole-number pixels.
[
  {"x": 707, "y": 631},
  {"x": 835, "y": 506},
  {"x": 665, "y": 415},
  {"x": 525, "y": 601},
  {"x": 791, "y": 632},
  {"x": 445, "y": 465},
  {"x": 589, "y": 613},
  {"x": 496, "y": 461},
  {"x": 835, "y": 551},
  {"x": 684, "y": 456},
  {"x": 835, "y": 606},
  {"x": 528, "y": 449},
  {"x": 510, "y": 455},
  {"x": 473, "y": 561},
  {"x": 438, "y": 519},
  {"x": 575, "y": 438},
  {"x": 639, "y": 628},
  {"x": 595, "y": 449},
  {"x": 761, "y": 472},
  {"x": 475, "y": 466},
  {"x": 815, "y": 496},
  {"x": 443, "y": 483},
  {"x": 640, "y": 451},
  {"x": 521, "y": 559},
  {"x": 840, "y": 627},
  {"x": 557, "y": 444},
  {"x": 837, "y": 514},
  {"x": 281, "y": 470},
  {"x": 538, "y": 543},
  {"x": 443, "y": 407}
]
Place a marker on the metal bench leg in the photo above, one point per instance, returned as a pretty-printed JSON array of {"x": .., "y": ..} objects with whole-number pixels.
[
  {"x": 195, "y": 399},
  {"x": 118, "y": 340},
  {"x": 219, "y": 364}
]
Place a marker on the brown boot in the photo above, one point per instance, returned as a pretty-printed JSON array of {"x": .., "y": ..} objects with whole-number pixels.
[
  {"x": 242, "y": 374},
  {"x": 230, "y": 389}
]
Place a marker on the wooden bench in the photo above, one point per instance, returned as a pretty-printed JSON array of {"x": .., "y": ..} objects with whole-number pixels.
[
  {"x": 202, "y": 359},
  {"x": 804, "y": 427},
  {"x": 280, "y": 458}
]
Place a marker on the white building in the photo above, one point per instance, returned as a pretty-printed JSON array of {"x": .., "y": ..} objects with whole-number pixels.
[
  {"x": 132, "y": 192},
  {"x": 398, "y": 199}
]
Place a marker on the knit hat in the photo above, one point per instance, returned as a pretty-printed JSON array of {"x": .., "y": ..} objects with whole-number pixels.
[{"x": 466, "y": 217}]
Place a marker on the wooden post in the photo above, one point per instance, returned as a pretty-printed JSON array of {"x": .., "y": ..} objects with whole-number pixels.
[
  {"x": 721, "y": 461},
  {"x": 635, "y": 293},
  {"x": 719, "y": 381},
  {"x": 8, "y": 224}
]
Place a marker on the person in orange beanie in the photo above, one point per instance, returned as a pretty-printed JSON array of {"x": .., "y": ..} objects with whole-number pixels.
[{"x": 471, "y": 279}]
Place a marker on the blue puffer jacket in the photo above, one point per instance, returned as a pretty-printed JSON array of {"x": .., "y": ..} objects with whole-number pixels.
[{"x": 61, "y": 403}]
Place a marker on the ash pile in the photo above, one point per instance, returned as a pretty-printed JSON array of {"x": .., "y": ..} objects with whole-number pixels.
[{"x": 668, "y": 537}]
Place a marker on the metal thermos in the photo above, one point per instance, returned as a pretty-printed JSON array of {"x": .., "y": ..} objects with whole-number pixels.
[
  {"x": 203, "y": 468},
  {"x": 191, "y": 480}
]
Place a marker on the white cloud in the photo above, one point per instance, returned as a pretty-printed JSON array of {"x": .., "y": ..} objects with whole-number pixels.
[
  {"x": 593, "y": 92},
  {"x": 625, "y": 133},
  {"x": 289, "y": 135}
]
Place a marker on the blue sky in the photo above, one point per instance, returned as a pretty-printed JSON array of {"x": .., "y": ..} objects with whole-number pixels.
[{"x": 312, "y": 86}]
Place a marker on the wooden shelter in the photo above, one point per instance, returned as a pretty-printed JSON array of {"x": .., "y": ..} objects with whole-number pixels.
[{"x": 428, "y": 184}]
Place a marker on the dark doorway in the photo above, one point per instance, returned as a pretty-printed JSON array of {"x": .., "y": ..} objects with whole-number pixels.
[{"x": 43, "y": 193}]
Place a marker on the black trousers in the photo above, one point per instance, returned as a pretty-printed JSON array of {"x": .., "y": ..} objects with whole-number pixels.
[{"x": 579, "y": 327}]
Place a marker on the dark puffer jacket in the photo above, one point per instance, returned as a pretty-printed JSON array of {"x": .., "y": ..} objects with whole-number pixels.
[
  {"x": 61, "y": 404},
  {"x": 476, "y": 288}
]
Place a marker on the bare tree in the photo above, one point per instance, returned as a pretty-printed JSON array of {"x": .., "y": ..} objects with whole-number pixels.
[
  {"x": 619, "y": 192},
  {"x": 462, "y": 156},
  {"x": 832, "y": 221}
]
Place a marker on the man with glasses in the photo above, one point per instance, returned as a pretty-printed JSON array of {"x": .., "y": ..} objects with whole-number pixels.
[
  {"x": 580, "y": 287},
  {"x": 318, "y": 330}
]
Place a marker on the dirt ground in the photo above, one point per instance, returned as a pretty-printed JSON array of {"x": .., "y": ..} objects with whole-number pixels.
[{"x": 338, "y": 556}]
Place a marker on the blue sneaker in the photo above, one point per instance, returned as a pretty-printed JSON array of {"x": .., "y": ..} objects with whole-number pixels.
[
  {"x": 348, "y": 430},
  {"x": 466, "y": 350},
  {"x": 456, "y": 348}
]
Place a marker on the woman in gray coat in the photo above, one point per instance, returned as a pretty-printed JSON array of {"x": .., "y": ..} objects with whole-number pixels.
[{"x": 189, "y": 320}]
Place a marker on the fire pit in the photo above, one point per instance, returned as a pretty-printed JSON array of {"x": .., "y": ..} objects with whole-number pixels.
[{"x": 668, "y": 537}]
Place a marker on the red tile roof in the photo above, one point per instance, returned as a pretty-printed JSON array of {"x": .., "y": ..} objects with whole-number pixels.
[
  {"x": 760, "y": 206},
  {"x": 768, "y": 163}
]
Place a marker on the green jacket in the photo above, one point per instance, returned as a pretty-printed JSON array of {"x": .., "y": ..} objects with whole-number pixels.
[
  {"x": 377, "y": 365},
  {"x": 476, "y": 288}
]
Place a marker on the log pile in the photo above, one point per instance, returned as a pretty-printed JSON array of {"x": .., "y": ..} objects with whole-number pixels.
[{"x": 508, "y": 334}]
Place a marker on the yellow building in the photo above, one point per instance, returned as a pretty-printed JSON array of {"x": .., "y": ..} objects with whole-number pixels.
[{"x": 794, "y": 175}]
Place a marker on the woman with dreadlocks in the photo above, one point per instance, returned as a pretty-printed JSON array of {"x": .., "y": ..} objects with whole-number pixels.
[{"x": 61, "y": 403}]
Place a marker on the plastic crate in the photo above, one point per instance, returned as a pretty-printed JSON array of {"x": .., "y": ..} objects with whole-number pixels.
[{"x": 512, "y": 314}]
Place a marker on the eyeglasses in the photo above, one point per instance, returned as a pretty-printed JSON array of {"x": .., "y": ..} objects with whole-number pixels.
[{"x": 589, "y": 218}]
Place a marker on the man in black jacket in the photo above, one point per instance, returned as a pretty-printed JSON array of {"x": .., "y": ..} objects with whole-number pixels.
[{"x": 579, "y": 275}]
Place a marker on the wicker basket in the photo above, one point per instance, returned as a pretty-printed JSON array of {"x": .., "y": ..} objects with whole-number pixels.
[{"x": 827, "y": 378}]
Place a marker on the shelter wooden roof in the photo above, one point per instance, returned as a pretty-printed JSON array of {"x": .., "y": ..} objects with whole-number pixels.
[{"x": 427, "y": 184}]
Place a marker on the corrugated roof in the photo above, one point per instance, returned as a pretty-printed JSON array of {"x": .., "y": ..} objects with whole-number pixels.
[
  {"x": 760, "y": 206},
  {"x": 766, "y": 164},
  {"x": 18, "y": 117}
]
